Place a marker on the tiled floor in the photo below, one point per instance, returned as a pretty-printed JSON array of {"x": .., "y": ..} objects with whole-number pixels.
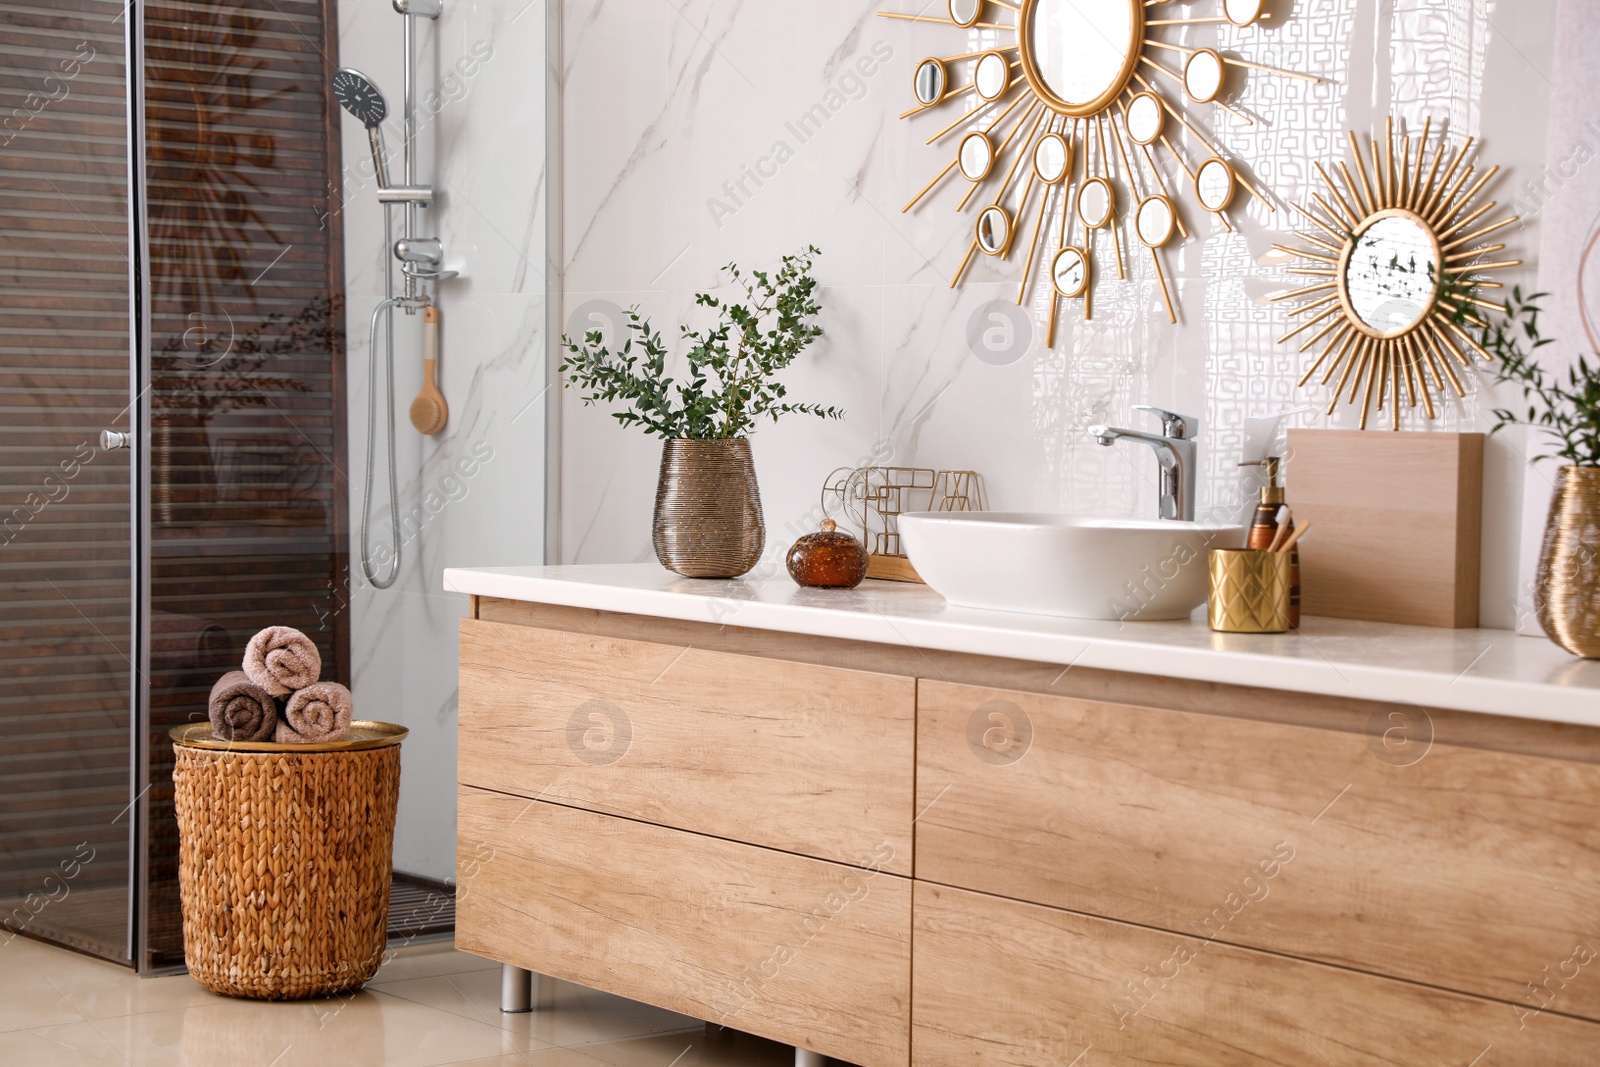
[{"x": 429, "y": 1005}]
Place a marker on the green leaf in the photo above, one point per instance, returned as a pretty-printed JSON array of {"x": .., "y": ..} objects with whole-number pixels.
[{"x": 731, "y": 369}]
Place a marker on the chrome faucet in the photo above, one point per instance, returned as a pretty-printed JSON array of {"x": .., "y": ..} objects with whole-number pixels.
[{"x": 1175, "y": 451}]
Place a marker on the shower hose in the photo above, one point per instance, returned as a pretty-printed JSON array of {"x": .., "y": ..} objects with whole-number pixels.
[{"x": 387, "y": 305}]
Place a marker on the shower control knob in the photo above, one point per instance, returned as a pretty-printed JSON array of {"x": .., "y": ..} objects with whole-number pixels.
[{"x": 112, "y": 440}]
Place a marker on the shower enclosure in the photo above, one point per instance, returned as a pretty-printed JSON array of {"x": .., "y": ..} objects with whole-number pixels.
[{"x": 173, "y": 387}]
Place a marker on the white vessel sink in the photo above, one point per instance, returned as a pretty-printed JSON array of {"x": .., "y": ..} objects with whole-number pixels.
[{"x": 1081, "y": 568}]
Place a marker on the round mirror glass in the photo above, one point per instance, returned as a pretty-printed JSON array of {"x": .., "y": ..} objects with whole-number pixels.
[
  {"x": 994, "y": 230},
  {"x": 1050, "y": 158},
  {"x": 992, "y": 76},
  {"x": 1083, "y": 50},
  {"x": 931, "y": 82},
  {"x": 976, "y": 156},
  {"x": 1094, "y": 202},
  {"x": 965, "y": 12},
  {"x": 1213, "y": 185},
  {"x": 1154, "y": 221},
  {"x": 1202, "y": 76},
  {"x": 1241, "y": 12},
  {"x": 1144, "y": 118},
  {"x": 1070, "y": 272},
  {"x": 1391, "y": 278}
]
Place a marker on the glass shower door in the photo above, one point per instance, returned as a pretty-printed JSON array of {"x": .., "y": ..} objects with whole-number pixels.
[
  {"x": 246, "y": 518},
  {"x": 67, "y": 652},
  {"x": 133, "y": 571}
]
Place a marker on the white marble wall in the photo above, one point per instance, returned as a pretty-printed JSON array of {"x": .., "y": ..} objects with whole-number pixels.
[
  {"x": 475, "y": 493},
  {"x": 665, "y": 103},
  {"x": 1564, "y": 195}
]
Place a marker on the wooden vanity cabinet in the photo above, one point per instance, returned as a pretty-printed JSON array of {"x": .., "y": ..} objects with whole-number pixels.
[
  {"x": 894, "y": 856},
  {"x": 1000, "y": 981},
  {"x": 799, "y": 950},
  {"x": 1449, "y": 866},
  {"x": 808, "y": 759},
  {"x": 721, "y": 835}
]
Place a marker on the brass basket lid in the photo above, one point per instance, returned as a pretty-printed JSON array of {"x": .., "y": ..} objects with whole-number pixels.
[{"x": 364, "y": 734}]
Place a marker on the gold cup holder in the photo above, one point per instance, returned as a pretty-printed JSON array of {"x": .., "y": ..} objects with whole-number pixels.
[{"x": 1249, "y": 591}]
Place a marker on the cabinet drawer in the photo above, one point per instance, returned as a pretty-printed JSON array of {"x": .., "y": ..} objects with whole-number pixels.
[
  {"x": 813, "y": 760},
  {"x": 1003, "y": 982},
  {"x": 797, "y": 950},
  {"x": 1456, "y": 867}
]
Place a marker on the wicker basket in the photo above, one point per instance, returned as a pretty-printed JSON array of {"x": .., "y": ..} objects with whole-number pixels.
[{"x": 285, "y": 860}]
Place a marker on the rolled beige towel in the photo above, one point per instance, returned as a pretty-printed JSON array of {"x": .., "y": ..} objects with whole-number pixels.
[
  {"x": 281, "y": 659},
  {"x": 319, "y": 712},
  {"x": 241, "y": 710}
]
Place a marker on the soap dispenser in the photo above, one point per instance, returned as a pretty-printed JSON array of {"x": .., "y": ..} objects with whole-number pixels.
[{"x": 1264, "y": 529}]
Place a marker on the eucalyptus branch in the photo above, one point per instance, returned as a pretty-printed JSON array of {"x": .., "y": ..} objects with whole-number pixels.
[
  {"x": 1568, "y": 412},
  {"x": 731, "y": 368}
]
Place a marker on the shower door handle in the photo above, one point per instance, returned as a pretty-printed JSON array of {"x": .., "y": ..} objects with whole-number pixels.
[{"x": 113, "y": 440}]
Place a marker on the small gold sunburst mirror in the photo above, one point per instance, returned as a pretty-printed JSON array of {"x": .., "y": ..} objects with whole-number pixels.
[
  {"x": 1076, "y": 104},
  {"x": 1396, "y": 258}
]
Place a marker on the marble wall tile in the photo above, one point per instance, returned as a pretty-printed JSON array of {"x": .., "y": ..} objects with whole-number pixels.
[
  {"x": 703, "y": 131},
  {"x": 683, "y": 151},
  {"x": 473, "y": 495}
]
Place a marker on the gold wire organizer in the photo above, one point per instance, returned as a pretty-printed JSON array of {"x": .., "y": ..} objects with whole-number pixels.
[{"x": 874, "y": 498}]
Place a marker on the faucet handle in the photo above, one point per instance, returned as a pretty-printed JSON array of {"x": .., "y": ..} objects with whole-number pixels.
[{"x": 1178, "y": 427}]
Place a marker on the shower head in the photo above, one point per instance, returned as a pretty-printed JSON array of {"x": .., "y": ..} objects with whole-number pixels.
[{"x": 358, "y": 95}]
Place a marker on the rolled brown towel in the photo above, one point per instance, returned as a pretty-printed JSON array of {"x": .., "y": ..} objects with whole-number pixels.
[
  {"x": 281, "y": 659},
  {"x": 317, "y": 713},
  {"x": 241, "y": 710}
]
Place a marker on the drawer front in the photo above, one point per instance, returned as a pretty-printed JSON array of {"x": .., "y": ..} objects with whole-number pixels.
[
  {"x": 798, "y": 950},
  {"x": 1456, "y": 867},
  {"x": 1003, "y": 982},
  {"x": 813, "y": 760}
]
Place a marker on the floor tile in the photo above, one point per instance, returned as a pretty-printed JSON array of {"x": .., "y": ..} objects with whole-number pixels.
[
  {"x": 429, "y": 961},
  {"x": 365, "y": 1030},
  {"x": 28, "y": 999},
  {"x": 706, "y": 1047},
  {"x": 100, "y": 990},
  {"x": 567, "y": 1014},
  {"x": 431, "y": 1006},
  {"x": 80, "y": 1037},
  {"x": 23, "y": 1048},
  {"x": 570, "y": 1057}
]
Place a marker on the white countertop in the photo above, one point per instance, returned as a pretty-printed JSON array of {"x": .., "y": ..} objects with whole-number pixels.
[{"x": 1493, "y": 671}]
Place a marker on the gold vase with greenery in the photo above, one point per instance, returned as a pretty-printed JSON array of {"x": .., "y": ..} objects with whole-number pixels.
[
  {"x": 1565, "y": 407},
  {"x": 708, "y": 521}
]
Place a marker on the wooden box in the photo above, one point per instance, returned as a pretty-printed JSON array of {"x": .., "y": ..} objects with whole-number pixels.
[{"x": 1398, "y": 524}]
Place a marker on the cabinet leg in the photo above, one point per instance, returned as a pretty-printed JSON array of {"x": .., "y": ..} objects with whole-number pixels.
[
  {"x": 804, "y": 1057},
  {"x": 516, "y": 989}
]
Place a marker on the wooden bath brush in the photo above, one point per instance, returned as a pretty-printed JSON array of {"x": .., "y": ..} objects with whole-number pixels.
[{"x": 428, "y": 411}]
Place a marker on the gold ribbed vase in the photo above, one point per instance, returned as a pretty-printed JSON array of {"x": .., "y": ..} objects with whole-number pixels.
[
  {"x": 708, "y": 509},
  {"x": 1568, "y": 593}
]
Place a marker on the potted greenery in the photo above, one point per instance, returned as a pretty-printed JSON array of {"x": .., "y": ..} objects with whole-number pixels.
[
  {"x": 708, "y": 507},
  {"x": 1567, "y": 409}
]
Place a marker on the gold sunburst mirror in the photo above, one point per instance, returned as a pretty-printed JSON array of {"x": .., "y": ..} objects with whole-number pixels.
[
  {"x": 1080, "y": 107},
  {"x": 1396, "y": 259}
]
